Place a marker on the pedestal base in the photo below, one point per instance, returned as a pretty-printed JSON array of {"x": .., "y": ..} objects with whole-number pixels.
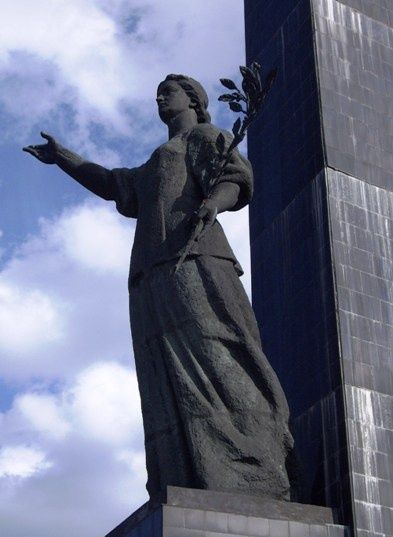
[{"x": 202, "y": 513}]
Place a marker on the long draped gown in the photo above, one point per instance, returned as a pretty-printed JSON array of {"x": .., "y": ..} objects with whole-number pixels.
[{"x": 215, "y": 416}]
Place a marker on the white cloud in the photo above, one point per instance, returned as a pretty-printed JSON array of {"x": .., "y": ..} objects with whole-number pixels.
[
  {"x": 86, "y": 437},
  {"x": 22, "y": 461},
  {"x": 28, "y": 319},
  {"x": 95, "y": 240},
  {"x": 76, "y": 37},
  {"x": 43, "y": 413},
  {"x": 237, "y": 231},
  {"x": 77, "y": 64},
  {"x": 101, "y": 403},
  {"x": 106, "y": 404},
  {"x": 63, "y": 296}
]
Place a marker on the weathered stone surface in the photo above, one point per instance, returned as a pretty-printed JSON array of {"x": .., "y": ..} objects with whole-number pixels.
[{"x": 215, "y": 416}]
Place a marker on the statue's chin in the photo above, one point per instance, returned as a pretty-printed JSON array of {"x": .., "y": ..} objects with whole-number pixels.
[{"x": 165, "y": 115}]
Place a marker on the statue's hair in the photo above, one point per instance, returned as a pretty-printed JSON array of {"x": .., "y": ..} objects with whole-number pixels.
[{"x": 196, "y": 93}]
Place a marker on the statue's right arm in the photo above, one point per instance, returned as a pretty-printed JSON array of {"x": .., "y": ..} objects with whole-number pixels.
[{"x": 92, "y": 176}]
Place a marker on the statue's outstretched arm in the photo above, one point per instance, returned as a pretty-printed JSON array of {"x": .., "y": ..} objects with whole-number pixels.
[{"x": 92, "y": 176}]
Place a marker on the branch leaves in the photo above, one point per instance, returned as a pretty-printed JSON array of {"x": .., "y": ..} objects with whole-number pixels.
[
  {"x": 254, "y": 94},
  {"x": 219, "y": 156},
  {"x": 235, "y": 107},
  {"x": 220, "y": 144},
  {"x": 227, "y": 97},
  {"x": 236, "y": 126},
  {"x": 247, "y": 103},
  {"x": 227, "y": 83}
]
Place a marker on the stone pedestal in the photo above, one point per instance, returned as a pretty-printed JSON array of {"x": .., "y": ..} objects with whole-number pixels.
[{"x": 200, "y": 513}]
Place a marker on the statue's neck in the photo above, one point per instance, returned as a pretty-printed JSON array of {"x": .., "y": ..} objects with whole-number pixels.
[{"x": 182, "y": 122}]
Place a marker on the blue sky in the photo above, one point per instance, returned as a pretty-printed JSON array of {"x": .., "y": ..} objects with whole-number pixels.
[{"x": 86, "y": 71}]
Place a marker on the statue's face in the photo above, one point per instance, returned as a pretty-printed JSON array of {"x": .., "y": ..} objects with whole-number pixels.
[{"x": 171, "y": 100}]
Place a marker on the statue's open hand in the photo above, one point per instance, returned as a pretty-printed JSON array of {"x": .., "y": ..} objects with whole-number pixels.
[{"x": 44, "y": 152}]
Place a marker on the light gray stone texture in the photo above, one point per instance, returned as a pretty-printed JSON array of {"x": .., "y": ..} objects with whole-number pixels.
[
  {"x": 354, "y": 50},
  {"x": 361, "y": 217}
]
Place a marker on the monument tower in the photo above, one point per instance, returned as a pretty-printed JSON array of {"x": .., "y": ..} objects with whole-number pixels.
[{"x": 322, "y": 242}]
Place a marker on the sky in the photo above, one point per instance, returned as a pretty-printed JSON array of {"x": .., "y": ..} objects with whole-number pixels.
[{"x": 86, "y": 71}]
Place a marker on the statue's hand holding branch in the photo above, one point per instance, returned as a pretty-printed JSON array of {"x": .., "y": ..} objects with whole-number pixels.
[
  {"x": 206, "y": 213},
  {"x": 45, "y": 153}
]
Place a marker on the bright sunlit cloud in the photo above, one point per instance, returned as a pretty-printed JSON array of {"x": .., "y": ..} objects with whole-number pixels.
[
  {"x": 105, "y": 403},
  {"x": 44, "y": 414},
  {"x": 63, "y": 296},
  {"x": 22, "y": 461},
  {"x": 28, "y": 319}
]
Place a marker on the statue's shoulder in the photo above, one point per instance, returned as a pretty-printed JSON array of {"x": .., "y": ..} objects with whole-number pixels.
[{"x": 206, "y": 132}]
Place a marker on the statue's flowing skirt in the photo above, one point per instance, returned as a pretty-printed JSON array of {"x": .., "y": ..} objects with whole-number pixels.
[{"x": 214, "y": 414}]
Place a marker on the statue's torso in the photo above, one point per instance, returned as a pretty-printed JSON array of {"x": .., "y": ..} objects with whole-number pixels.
[{"x": 168, "y": 194}]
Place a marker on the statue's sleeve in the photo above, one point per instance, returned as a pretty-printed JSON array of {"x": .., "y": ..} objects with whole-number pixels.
[
  {"x": 124, "y": 191},
  {"x": 201, "y": 149}
]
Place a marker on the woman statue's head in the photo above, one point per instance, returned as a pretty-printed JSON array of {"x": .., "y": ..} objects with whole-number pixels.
[{"x": 198, "y": 99}]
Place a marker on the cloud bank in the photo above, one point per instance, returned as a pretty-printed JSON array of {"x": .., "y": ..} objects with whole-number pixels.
[{"x": 88, "y": 65}]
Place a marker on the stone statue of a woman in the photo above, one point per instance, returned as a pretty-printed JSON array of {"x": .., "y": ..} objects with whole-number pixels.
[{"x": 214, "y": 414}]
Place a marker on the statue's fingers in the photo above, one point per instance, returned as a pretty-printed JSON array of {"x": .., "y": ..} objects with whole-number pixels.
[
  {"x": 31, "y": 149},
  {"x": 201, "y": 212},
  {"x": 48, "y": 137}
]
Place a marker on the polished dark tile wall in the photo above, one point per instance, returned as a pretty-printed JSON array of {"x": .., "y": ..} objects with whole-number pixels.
[
  {"x": 285, "y": 141},
  {"x": 291, "y": 264},
  {"x": 355, "y": 59},
  {"x": 321, "y": 243}
]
